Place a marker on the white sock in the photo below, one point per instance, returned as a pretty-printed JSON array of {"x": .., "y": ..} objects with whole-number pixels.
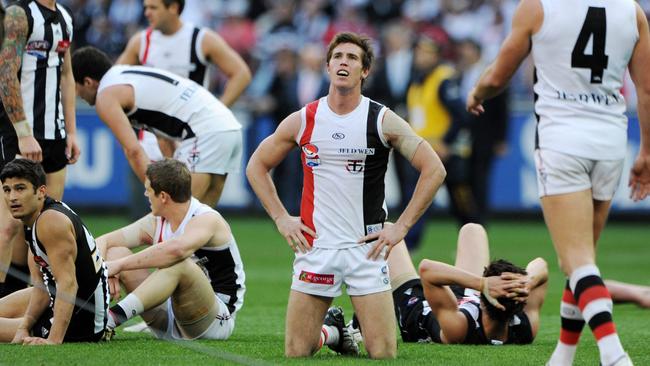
[
  {"x": 131, "y": 305},
  {"x": 563, "y": 354},
  {"x": 329, "y": 335}
]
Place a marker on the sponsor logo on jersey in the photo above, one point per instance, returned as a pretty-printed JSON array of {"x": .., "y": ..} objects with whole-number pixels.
[
  {"x": 357, "y": 150},
  {"x": 384, "y": 269},
  {"x": 40, "y": 261},
  {"x": 38, "y": 49},
  {"x": 375, "y": 228},
  {"x": 338, "y": 136},
  {"x": 317, "y": 278},
  {"x": 412, "y": 301},
  {"x": 310, "y": 150},
  {"x": 354, "y": 166},
  {"x": 63, "y": 46}
]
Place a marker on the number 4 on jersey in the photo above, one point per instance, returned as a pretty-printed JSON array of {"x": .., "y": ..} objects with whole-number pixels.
[{"x": 595, "y": 25}]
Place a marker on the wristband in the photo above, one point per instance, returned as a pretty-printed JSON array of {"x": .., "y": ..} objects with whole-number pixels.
[
  {"x": 23, "y": 128},
  {"x": 485, "y": 290}
]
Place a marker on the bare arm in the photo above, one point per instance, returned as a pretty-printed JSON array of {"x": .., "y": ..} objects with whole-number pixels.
[
  {"x": 38, "y": 302},
  {"x": 68, "y": 98},
  {"x": 266, "y": 157},
  {"x": 526, "y": 21},
  {"x": 13, "y": 46},
  {"x": 56, "y": 233},
  {"x": 537, "y": 271},
  {"x": 640, "y": 173},
  {"x": 133, "y": 235},
  {"x": 200, "y": 231},
  {"x": 131, "y": 54},
  {"x": 110, "y": 106},
  {"x": 432, "y": 173},
  {"x": 230, "y": 63}
]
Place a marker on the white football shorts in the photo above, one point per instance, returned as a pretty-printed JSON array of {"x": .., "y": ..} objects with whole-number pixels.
[
  {"x": 322, "y": 272},
  {"x": 215, "y": 153},
  {"x": 559, "y": 173}
]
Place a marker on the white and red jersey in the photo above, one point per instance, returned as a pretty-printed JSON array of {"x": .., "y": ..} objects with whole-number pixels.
[
  {"x": 222, "y": 265},
  {"x": 581, "y": 53},
  {"x": 344, "y": 159}
]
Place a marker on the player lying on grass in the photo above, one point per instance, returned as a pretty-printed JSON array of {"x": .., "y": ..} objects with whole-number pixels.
[
  {"x": 471, "y": 302},
  {"x": 198, "y": 284},
  {"x": 69, "y": 300}
]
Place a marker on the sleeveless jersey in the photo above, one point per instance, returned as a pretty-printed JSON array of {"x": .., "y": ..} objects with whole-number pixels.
[
  {"x": 179, "y": 53},
  {"x": 169, "y": 105},
  {"x": 581, "y": 53},
  {"x": 344, "y": 161},
  {"x": 90, "y": 312},
  {"x": 49, "y": 37},
  {"x": 519, "y": 328},
  {"x": 222, "y": 266}
]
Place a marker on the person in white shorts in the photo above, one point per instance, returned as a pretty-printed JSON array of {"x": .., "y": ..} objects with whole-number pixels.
[
  {"x": 209, "y": 137},
  {"x": 340, "y": 238},
  {"x": 198, "y": 285},
  {"x": 581, "y": 50}
]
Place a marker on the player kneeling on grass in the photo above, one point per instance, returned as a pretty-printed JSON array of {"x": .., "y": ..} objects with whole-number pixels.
[
  {"x": 472, "y": 302},
  {"x": 198, "y": 285},
  {"x": 69, "y": 300}
]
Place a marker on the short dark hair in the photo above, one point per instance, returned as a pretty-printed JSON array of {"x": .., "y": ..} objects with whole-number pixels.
[
  {"x": 512, "y": 306},
  {"x": 181, "y": 4},
  {"x": 171, "y": 176},
  {"x": 24, "y": 169},
  {"x": 362, "y": 41},
  {"x": 89, "y": 62}
]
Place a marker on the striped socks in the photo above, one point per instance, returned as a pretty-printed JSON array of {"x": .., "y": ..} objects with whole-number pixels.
[
  {"x": 595, "y": 304},
  {"x": 571, "y": 328}
]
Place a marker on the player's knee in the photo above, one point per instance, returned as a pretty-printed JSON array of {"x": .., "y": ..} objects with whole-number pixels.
[
  {"x": 294, "y": 348},
  {"x": 383, "y": 349}
]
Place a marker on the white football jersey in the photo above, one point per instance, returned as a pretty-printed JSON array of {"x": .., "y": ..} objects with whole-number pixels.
[
  {"x": 581, "y": 54},
  {"x": 344, "y": 161},
  {"x": 179, "y": 53},
  {"x": 222, "y": 265},
  {"x": 168, "y": 105}
]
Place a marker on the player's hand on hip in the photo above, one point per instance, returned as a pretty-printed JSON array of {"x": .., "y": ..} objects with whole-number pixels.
[
  {"x": 72, "y": 150},
  {"x": 387, "y": 238},
  {"x": 639, "y": 182},
  {"x": 473, "y": 104},
  {"x": 30, "y": 149},
  {"x": 294, "y": 230}
]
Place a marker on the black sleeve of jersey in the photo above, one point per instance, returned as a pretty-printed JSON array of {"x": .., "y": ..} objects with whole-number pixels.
[{"x": 470, "y": 336}]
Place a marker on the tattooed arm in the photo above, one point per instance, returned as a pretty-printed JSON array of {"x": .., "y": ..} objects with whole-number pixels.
[{"x": 13, "y": 46}]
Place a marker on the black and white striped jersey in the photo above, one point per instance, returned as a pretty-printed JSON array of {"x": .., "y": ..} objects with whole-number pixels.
[
  {"x": 90, "y": 312},
  {"x": 50, "y": 35}
]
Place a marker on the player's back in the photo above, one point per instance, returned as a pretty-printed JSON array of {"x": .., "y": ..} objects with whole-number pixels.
[{"x": 581, "y": 54}]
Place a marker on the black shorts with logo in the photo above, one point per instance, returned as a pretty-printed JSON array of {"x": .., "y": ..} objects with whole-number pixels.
[
  {"x": 414, "y": 317},
  {"x": 42, "y": 329},
  {"x": 54, "y": 158}
]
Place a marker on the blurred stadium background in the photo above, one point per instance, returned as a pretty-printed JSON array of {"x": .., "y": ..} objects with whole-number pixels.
[{"x": 274, "y": 37}]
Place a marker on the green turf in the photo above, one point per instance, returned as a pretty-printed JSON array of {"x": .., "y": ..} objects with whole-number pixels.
[{"x": 258, "y": 337}]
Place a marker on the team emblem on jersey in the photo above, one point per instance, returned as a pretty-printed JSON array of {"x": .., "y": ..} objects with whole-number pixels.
[
  {"x": 412, "y": 301},
  {"x": 38, "y": 49},
  {"x": 338, "y": 136},
  {"x": 311, "y": 155},
  {"x": 355, "y": 166},
  {"x": 193, "y": 158},
  {"x": 40, "y": 261}
]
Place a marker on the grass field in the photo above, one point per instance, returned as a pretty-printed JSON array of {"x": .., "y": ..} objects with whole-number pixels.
[{"x": 258, "y": 337}]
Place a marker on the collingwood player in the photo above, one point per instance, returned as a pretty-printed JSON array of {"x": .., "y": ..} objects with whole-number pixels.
[
  {"x": 199, "y": 279},
  {"x": 37, "y": 114},
  {"x": 581, "y": 140},
  {"x": 69, "y": 300},
  {"x": 209, "y": 136},
  {"x": 340, "y": 237}
]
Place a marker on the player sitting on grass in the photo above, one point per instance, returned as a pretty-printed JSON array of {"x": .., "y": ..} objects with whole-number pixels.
[{"x": 472, "y": 302}]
